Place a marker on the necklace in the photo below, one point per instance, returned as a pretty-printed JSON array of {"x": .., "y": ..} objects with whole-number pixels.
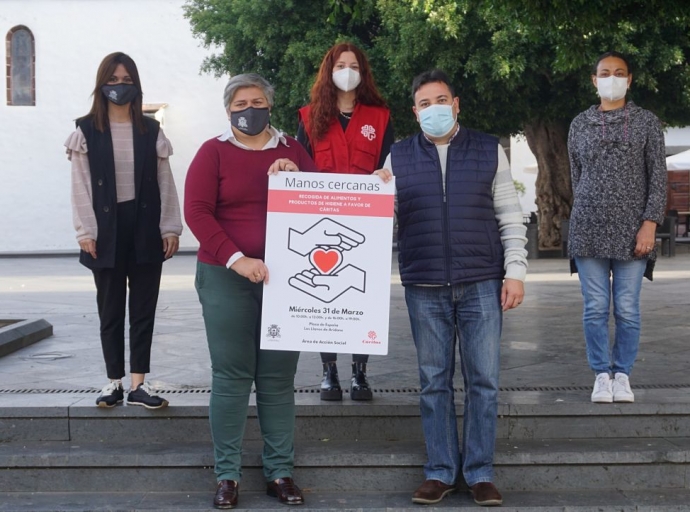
[
  {"x": 346, "y": 116},
  {"x": 625, "y": 126}
]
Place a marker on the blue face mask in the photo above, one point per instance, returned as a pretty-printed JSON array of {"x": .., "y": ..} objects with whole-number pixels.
[{"x": 437, "y": 120}]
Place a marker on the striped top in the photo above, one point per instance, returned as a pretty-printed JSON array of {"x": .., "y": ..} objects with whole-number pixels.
[
  {"x": 123, "y": 152},
  {"x": 83, "y": 215}
]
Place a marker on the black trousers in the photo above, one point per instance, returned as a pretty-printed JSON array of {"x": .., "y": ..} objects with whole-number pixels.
[
  {"x": 356, "y": 358},
  {"x": 111, "y": 296}
]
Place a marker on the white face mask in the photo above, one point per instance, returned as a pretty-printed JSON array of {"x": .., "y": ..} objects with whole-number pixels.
[
  {"x": 346, "y": 79},
  {"x": 612, "y": 88}
]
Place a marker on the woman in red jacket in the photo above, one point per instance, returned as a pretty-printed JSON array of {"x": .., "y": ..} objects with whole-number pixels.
[{"x": 346, "y": 129}]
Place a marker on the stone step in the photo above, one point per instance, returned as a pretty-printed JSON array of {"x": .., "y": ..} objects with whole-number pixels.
[
  {"x": 343, "y": 466},
  {"x": 608, "y": 500},
  {"x": 394, "y": 416}
]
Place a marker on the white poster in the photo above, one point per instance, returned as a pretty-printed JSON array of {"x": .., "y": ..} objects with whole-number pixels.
[{"x": 328, "y": 253}]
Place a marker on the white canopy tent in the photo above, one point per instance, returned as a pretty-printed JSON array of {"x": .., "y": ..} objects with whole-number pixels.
[{"x": 679, "y": 162}]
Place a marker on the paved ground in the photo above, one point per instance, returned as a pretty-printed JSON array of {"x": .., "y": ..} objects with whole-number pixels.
[{"x": 542, "y": 343}]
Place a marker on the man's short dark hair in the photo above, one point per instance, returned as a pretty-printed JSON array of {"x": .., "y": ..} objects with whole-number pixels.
[
  {"x": 618, "y": 55},
  {"x": 430, "y": 77}
]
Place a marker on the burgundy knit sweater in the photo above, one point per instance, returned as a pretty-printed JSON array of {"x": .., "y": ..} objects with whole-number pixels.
[{"x": 226, "y": 193}]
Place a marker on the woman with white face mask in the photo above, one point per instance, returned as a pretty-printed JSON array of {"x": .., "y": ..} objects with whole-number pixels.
[
  {"x": 618, "y": 171},
  {"x": 346, "y": 128}
]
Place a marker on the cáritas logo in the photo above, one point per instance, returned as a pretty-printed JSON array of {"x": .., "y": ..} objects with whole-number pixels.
[{"x": 372, "y": 339}]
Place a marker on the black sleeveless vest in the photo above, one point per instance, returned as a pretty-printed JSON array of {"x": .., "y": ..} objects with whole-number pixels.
[{"x": 147, "y": 237}]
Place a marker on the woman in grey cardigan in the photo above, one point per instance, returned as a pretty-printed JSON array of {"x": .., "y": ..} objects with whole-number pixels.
[{"x": 618, "y": 171}]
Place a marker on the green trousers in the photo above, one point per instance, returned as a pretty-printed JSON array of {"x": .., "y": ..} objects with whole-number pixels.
[{"x": 231, "y": 306}]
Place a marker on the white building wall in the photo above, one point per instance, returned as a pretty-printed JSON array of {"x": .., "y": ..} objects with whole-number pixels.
[
  {"x": 678, "y": 138},
  {"x": 523, "y": 166},
  {"x": 71, "y": 39}
]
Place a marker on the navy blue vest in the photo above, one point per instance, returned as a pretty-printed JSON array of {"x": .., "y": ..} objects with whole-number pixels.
[
  {"x": 147, "y": 236},
  {"x": 452, "y": 239}
]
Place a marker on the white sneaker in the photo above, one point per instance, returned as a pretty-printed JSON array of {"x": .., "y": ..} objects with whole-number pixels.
[
  {"x": 603, "y": 393},
  {"x": 621, "y": 389}
]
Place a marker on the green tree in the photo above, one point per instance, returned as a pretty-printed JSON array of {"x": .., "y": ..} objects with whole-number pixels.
[
  {"x": 520, "y": 66},
  {"x": 284, "y": 41},
  {"x": 525, "y": 66}
]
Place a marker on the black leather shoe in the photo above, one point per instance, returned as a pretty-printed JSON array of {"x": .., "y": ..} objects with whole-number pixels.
[
  {"x": 226, "y": 494},
  {"x": 286, "y": 491},
  {"x": 330, "y": 385},
  {"x": 359, "y": 387}
]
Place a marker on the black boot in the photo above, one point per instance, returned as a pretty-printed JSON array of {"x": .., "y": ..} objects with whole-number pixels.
[
  {"x": 330, "y": 385},
  {"x": 359, "y": 387}
]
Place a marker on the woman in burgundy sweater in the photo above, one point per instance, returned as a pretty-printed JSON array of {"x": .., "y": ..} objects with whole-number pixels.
[{"x": 225, "y": 203}]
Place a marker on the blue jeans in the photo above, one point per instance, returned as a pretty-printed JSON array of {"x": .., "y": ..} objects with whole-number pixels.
[
  {"x": 597, "y": 285},
  {"x": 470, "y": 313}
]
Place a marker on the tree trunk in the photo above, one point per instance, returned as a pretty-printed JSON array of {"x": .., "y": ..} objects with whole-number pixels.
[{"x": 548, "y": 140}]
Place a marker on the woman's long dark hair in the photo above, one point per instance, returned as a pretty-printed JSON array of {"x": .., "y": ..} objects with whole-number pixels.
[{"x": 99, "y": 108}]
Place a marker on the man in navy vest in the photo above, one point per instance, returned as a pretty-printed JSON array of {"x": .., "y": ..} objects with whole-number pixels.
[{"x": 463, "y": 262}]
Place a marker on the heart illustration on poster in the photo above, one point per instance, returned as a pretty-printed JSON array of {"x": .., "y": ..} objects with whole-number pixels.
[{"x": 325, "y": 260}]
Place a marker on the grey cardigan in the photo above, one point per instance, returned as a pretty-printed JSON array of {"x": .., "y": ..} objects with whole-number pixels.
[{"x": 618, "y": 172}]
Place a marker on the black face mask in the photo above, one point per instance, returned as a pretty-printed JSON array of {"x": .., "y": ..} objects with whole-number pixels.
[
  {"x": 120, "y": 94},
  {"x": 251, "y": 120}
]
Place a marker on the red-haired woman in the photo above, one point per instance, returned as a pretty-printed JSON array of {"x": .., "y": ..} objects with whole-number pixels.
[
  {"x": 127, "y": 217},
  {"x": 346, "y": 129}
]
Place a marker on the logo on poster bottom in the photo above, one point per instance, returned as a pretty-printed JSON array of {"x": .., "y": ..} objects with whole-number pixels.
[
  {"x": 372, "y": 339},
  {"x": 273, "y": 331}
]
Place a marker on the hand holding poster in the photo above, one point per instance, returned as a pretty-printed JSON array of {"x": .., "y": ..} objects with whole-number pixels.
[{"x": 328, "y": 252}]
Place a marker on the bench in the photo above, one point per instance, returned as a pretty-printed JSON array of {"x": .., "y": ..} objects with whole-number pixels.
[{"x": 667, "y": 234}]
